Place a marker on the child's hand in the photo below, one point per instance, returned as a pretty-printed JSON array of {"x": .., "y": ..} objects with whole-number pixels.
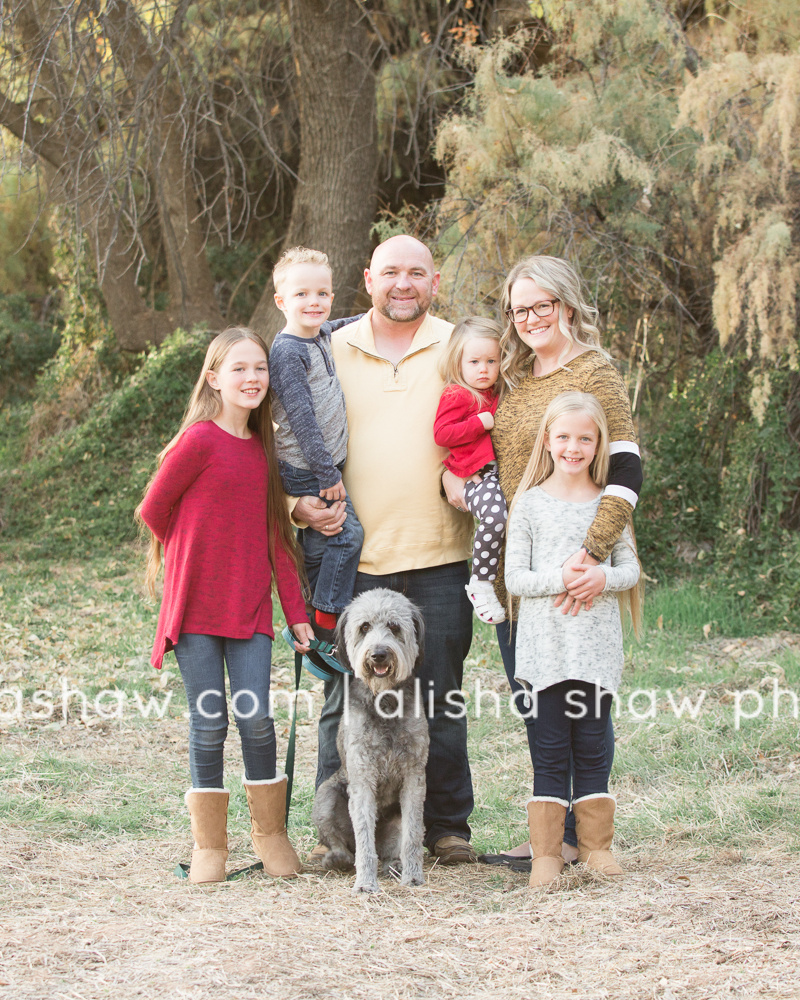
[
  {"x": 337, "y": 492},
  {"x": 588, "y": 584},
  {"x": 579, "y": 592},
  {"x": 486, "y": 419},
  {"x": 583, "y": 578},
  {"x": 303, "y": 633}
]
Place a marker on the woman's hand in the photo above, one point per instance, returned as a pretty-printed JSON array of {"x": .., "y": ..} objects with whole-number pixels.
[
  {"x": 303, "y": 634},
  {"x": 454, "y": 490},
  {"x": 314, "y": 512}
]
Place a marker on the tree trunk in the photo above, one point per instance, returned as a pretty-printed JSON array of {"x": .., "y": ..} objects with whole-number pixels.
[{"x": 336, "y": 194}]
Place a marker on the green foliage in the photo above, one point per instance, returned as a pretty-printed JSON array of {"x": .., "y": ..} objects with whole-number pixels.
[
  {"x": 677, "y": 520},
  {"x": 79, "y": 492},
  {"x": 25, "y": 346},
  {"x": 720, "y": 498},
  {"x": 88, "y": 362},
  {"x": 26, "y": 279},
  {"x": 241, "y": 272},
  {"x": 760, "y": 542},
  {"x": 561, "y": 159},
  {"x": 82, "y": 308},
  {"x": 25, "y": 248}
]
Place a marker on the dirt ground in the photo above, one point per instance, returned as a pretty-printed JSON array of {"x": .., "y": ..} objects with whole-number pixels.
[
  {"x": 108, "y": 920},
  {"x": 98, "y": 916}
]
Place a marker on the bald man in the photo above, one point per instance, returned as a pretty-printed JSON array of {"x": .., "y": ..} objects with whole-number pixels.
[{"x": 414, "y": 542}]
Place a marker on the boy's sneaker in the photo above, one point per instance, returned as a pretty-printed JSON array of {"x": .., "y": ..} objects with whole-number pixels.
[
  {"x": 324, "y": 626},
  {"x": 324, "y": 634},
  {"x": 484, "y": 601}
]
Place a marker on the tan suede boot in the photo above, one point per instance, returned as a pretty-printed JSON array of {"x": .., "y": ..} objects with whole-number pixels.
[
  {"x": 546, "y": 825},
  {"x": 267, "y": 802},
  {"x": 208, "y": 812},
  {"x": 594, "y": 824}
]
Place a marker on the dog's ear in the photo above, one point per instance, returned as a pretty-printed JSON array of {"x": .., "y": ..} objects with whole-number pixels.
[
  {"x": 419, "y": 629},
  {"x": 341, "y": 645}
]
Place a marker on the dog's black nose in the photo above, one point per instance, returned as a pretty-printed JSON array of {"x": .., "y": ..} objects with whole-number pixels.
[{"x": 380, "y": 654}]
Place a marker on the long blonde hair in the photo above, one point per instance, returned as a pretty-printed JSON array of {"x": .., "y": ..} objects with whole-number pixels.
[
  {"x": 561, "y": 280},
  {"x": 205, "y": 403},
  {"x": 540, "y": 467},
  {"x": 450, "y": 363}
]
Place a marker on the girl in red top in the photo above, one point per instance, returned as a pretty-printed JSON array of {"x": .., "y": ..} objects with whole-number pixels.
[
  {"x": 216, "y": 507},
  {"x": 471, "y": 369}
]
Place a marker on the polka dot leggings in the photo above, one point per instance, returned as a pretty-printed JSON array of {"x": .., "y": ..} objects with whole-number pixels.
[{"x": 485, "y": 501}]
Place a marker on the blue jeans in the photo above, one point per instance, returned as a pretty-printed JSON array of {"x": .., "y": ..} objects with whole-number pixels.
[
  {"x": 439, "y": 593},
  {"x": 331, "y": 561},
  {"x": 505, "y": 641},
  {"x": 202, "y": 660}
]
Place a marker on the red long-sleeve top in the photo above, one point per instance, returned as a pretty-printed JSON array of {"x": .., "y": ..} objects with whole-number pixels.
[
  {"x": 458, "y": 427},
  {"x": 208, "y": 507}
]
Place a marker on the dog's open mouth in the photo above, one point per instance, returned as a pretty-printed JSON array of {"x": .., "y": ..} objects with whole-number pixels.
[{"x": 380, "y": 669}]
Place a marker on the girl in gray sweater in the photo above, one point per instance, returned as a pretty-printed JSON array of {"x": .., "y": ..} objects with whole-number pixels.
[{"x": 570, "y": 664}]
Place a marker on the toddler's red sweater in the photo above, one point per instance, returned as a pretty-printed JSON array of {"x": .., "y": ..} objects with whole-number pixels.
[{"x": 458, "y": 427}]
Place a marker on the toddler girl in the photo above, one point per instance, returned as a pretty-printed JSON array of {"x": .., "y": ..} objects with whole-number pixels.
[
  {"x": 571, "y": 665},
  {"x": 216, "y": 506},
  {"x": 471, "y": 369}
]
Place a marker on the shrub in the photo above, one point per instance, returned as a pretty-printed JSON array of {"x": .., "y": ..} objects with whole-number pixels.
[
  {"x": 685, "y": 450},
  {"x": 721, "y": 497},
  {"x": 80, "y": 491},
  {"x": 25, "y": 346}
]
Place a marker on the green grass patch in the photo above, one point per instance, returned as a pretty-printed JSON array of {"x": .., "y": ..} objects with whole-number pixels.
[{"x": 699, "y": 610}]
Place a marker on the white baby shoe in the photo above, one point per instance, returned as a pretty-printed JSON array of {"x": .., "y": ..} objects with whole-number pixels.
[{"x": 484, "y": 601}]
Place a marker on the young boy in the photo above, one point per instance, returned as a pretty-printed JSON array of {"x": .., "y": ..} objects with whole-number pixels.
[{"x": 312, "y": 434}]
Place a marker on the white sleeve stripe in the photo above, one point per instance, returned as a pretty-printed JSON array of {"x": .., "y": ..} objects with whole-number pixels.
[
  {"x": 622, "y": 492},
  {"x": 615, "y": 447}
]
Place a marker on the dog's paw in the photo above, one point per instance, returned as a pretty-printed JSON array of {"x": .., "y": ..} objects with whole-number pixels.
[
  {"x": 338, "y": 861},
  {"x": 413, "y": 878},
  {"x": 365, "y": 887},
  {"x": 392, "y": 866}
]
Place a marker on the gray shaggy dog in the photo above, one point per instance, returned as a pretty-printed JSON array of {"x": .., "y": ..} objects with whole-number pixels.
[{"x": 372, "y": 807}]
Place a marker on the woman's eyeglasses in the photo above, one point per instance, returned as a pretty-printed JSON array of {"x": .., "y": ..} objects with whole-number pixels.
[{"x": 519, "y": 314}]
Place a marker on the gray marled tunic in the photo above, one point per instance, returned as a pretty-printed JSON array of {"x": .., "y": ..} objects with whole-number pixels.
[{"x": 550, "y": 646}]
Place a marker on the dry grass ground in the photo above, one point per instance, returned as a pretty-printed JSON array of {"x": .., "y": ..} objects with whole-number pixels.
[{"x": 92, "y": 825}]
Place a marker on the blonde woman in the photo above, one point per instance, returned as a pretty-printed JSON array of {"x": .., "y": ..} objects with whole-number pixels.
[
  {"x": 550, "y": 345},
  {"x": 569, "y": 666},
  {"x": 216, "y": 507}
]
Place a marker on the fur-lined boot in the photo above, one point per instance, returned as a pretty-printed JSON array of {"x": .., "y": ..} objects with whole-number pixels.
[
  {"x": 208, "y": 812},
  {"x": 546, "y": 825},
  {"x": 267, "y": 802},
  {"x": 594, "y": 824}
]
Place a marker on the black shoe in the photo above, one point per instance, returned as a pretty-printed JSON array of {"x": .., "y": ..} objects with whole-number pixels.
[{"x": 505, "y": 861}]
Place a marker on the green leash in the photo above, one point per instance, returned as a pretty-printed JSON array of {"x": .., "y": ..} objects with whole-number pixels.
[
  {"x": 182, "y": 871},
  {"x": 289, "y": 769}
]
